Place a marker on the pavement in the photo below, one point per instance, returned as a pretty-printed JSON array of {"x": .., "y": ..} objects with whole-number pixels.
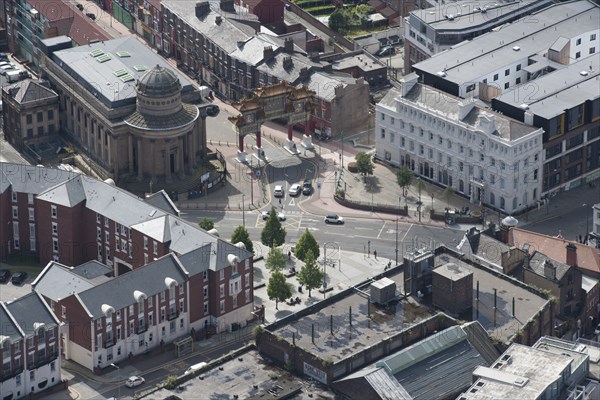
[{"x": 381, "y": 188}]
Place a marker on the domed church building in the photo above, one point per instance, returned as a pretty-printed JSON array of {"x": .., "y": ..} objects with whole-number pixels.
[{"x": 128, "y": 112}]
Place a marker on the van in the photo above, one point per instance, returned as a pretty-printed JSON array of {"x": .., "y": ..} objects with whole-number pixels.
[
  {"x": 195, "y": 368},
  {"x": 14, "y": 75}
]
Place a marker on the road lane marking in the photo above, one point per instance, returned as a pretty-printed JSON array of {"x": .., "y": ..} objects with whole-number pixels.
[
  {"x": 381, "y": 230},
  {"x": 406, "y": 234}
]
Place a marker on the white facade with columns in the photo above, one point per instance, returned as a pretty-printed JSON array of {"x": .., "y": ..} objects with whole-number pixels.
[{"x": 491, "y": 159}]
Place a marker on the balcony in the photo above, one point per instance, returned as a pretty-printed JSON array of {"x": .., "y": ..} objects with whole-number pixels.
[
  {"x": 141, "y": 328},
  {"x": 109, "y": 343},
  {"x": 172, "y": 315},
  {"x": 4, "y": 377},
  {"x": 46, "y": 360}
]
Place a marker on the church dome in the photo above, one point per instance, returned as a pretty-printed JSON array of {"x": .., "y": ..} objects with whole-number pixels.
[{"x": 158, "y": 82}]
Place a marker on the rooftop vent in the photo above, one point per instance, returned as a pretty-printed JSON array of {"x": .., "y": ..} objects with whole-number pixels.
[
  {"x": 442, "y": 74},
  {"x": 450, "y": 17},
  {"x": 524, "y": 106},
  {"x": 218, "y": 20},
  {"x": 583, "y": 73},
  {"x": 516, "y": 48}
]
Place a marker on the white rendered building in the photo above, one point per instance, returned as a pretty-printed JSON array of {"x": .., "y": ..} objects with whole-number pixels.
[{"x": 492, "y": 159}]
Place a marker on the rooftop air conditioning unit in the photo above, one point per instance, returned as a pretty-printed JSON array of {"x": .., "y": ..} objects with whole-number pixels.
[
  {"x": 516, "y": 48},
  {"x": 583, "y": 73}
]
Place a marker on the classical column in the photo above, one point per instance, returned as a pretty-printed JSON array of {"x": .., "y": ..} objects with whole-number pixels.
[
  {"x": 153, "y": 160},
  {"x": 307, "y": 140},
  {"x": 180, "y": 156},
  {"x": 241, "y": 143},
  {"x": 130, "y": 150},
  {"x": 191, "y": 154},
  {"x": 140, "y": 157},
  {"x": 290, "y": 142},
  {"x": 290, "y": 129}
]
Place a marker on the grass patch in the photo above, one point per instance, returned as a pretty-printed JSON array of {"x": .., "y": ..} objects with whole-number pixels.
[
  {"x": 18, "y": 260},
  {"x": 320, "y": 10}
]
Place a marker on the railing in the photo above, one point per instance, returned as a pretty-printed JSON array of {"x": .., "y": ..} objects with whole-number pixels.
[
  {"x": 5, "y": 377},
  {"x": 46, "y": 360},
  {"x": 141, "y": 328},
  {"x": 172, "y": 316}
]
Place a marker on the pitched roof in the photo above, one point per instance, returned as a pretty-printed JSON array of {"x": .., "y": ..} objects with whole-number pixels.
[
  {"x": 70, "y": 21},
  {"x": 538, "y": 262},
  {"x": 162, "y": 200},
  {"x": 30, "y": 310},
  {"x": 588, "y": 258},
  {"x": 93, "y": 270},
  {"x": 31, "y": 179},
  {"x": 8, "y": 326},
  {"x": 29, "y": 90},
  {"x": 118, "y": 293},
  {"x": 66, "y": 194},
  {"x": 57, "y": 281}
]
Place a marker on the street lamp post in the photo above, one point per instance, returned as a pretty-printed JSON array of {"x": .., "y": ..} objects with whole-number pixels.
[
  {"x": 419, "y": 205},
  {"x": 243, "y": 210},
  {"x": 118, "y": 369},
  {"x": 397, "y": 217}
]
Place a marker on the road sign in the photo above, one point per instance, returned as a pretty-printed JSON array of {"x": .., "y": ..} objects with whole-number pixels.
[
  {"x": 257, "y": 173},
  {"x": 318, "y": 185}
]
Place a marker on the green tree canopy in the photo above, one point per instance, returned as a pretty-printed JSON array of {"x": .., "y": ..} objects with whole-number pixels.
[
  {"x": 273, "y": 234},
  {"x": 364, "y": 162},
  {"x": 206, "y": 224},
  {"x": 240, "y": 234},
  {"x": 310, "y": 274},
  {"x": 275, "y": 259},
  {"x": 404, "y": 176},
  {"x": 278, "y": 289},
  {"x": 306, "y": 243}
]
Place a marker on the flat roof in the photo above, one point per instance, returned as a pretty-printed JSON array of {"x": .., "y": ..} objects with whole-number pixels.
[
  {"x": 499, "y": 322},
  {"x": 362, "y": 61},
  {"x": 467, "y": 15},
  {"x": 109, "y": 70},
  {"x": 521, "y": 372},
  {"x": 491, "y": 51},
  {"x": 364, "y": 331},
  {"x": 560, "y": 90},
  {"x": 452, "y": 271}
]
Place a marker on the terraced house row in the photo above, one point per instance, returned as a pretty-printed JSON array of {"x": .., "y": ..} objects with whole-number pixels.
[{"x": 123, "y": 274}]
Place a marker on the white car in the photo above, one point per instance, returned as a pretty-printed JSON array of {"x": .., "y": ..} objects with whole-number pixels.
[
  {"x": 194, "y": 368},
  {"x": 278, "y": 192},
  {"x": 6, "y": 68},
  {"x": 334, "y": 219},
  {"x": 134, "y": 381},
  {"x": 295, "y": 189},
  {"x": 280, "y": 215}
]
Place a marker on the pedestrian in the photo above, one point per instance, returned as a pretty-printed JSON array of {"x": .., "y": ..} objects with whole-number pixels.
[
  {"x": 280, "y": 201},
  {"x": 290, "y": 255},
  {"x": 375, "y": 254}
]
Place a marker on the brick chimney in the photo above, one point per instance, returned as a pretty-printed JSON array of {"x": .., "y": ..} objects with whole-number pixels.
[
  {"x": 287, "y": 62},
  {"x": 227, "y": 5},
  {"x": 571, "y": 255},
  {"x": 267, "y": 53},
  {"x": 549, "y": 270},
  {"x": 288, "y": 45}
]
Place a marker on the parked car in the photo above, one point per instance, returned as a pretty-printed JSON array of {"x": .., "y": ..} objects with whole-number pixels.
[
  {"x": 91, "y": 16},
  {"x": 386, "y": 51},
  {"x": 4, "y": 275},
  {"x": 295, "y": 189},
  {"x": 134, "y": 381},
  {"x": 3, "y": 58},
  {"x": 5, "y": 68},
  {"x": 597, "y": 331},
  {"x": 334, "y": 219},
  {"x": 194, "y": 367},
  {"x": 278, "y": 192},
  {"x": 79, "y": 6},
  {"x": 18, "y": 278},
  {"x": 307, "y": 187},
  {"x": 281, "y": 216}
]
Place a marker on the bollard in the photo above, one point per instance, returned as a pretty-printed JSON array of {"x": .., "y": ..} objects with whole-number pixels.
[
  {"x": 331, "y": 324},
  {"x": 477, "y": 290},
  {"x": 513, "y": 307},
  {"x": 313, "y": 333},
  {"x": 350, "y": 314},
  {"x": 495, "y": 297}
]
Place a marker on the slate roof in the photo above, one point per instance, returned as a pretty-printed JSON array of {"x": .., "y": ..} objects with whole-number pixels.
[
  {"x": 486, "y": 247},
  {"x": 92, "y": 270},
  {"x": 57, "y": 281},
  {"x": 66, "y": 194},
  {"x": 29, "y": 310},
  {"x": 537, "y": 261},
  {"x": 118, "y": 292},
  {"x": 28, "y": 91},
  {"x": 8, "y": 327},
  {"x": 274, "y": 66},
  {"x": 588, "y": 258},
  {"x": 162, "y": 200},
  {"x": 186, "y": 115},
  {"x": 251, "y": 51},
  {"x": 324, "y": 83},
  {"x": 31, "y": 179},
  {"x": 225, "y": 34}
]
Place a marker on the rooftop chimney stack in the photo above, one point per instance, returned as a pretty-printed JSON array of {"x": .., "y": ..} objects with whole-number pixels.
[
  {"x": 287, "y": 62},
  {"x": 288, "y": 45},
  {"x": 408, "y": 82},
  {"x": 227, "y": 5},
  {"x": 267, "y": 53},
  {"x": 549, "y": 270},
  {"x": 571, "y": 255},
  {"x": 202, "y": 8}
]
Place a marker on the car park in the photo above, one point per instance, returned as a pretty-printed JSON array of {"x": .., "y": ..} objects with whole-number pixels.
[
  {"x": 334, "y": 219},
  {"x": 4, "y": 275},
  {"x": 280, "y": 216},
  {"x": 307, "y": 187},
  {"x": 18, "y": 278},
  {"x": 134, "y": 381},
  {"x": 278, "y": 192},
  {"x": 386, "y": 51},
  {"x": 295, "y": 189}
]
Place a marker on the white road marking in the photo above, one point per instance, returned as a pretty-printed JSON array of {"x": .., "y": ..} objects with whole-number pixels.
[{"x": 381, "y": 230}]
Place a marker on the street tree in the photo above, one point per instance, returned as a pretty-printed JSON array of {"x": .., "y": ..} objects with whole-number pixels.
[
  {"x": 448, "y": 192},
  {"x": 240, "y": 234},
  {"x": 306, "y": 243},
  {"x": 310, "y": 275},
  {"x": 278, "y": 289},
  {"x": 364, "y": 163},
  {"x": 275, "y": 259},
  {"x": 404, "y": 176},
  {"x": 273, "y": 234},
  {"x": 206, "y": 224}
]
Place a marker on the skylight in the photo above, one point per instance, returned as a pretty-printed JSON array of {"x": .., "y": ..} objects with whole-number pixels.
[
  {"x": 127, "y": 78},
  {"x": 120, "y": 72},
  {"x": 140, "y": 68},
  {"x": 96, "y": 53},
  {"x": 103, "y": 58},
  {"x": 123, "y": 54}
]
